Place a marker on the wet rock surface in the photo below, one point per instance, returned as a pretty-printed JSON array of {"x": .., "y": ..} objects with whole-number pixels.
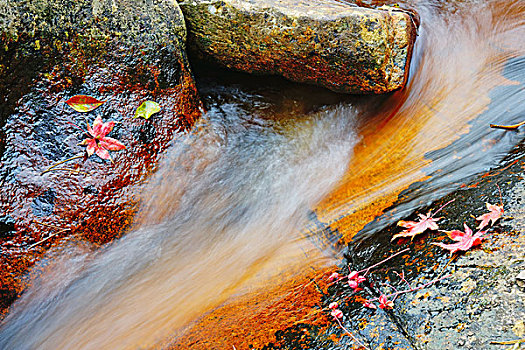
[
  {"x": 481, "y": 302},
  {"x": 332, "y": 44},
  {"x": 121, "y": 52},
  {"x": 480, "y": 305}
]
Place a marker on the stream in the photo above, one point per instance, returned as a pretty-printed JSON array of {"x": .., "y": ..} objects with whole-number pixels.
[{"x": 233, "y": 204}]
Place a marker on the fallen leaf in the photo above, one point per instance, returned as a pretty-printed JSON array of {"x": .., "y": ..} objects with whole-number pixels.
[
  {"x": 495, "y": 212},
  {"x": 99, "y": 143},
  {"x": 384, "y": 303},
  {"x": 369, "y": 305},
  {"x": 426, "y": 222},
  {"x": 465, "y": 240},
  {"x": 336, "y": 313},
  {"x": 83, "y": 103},
  {"x": 147, "y": 109}
]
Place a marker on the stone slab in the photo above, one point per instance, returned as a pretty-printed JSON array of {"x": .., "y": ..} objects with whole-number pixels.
[{"x": 336, "y": 45}]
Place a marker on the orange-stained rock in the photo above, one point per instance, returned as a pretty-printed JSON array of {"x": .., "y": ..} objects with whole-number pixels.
[
  {"x": 122, "y": 52},
  {"x": 336, "y": 45}
]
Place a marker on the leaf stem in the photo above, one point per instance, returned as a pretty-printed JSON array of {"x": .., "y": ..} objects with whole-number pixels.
[
  {"x": 350, "y": 334},
  {"x": 402, "y": 277},
  {"x": 442, "y": 207},
  {"x": 500, "y": 196},
  {"x": 61, "y": 162},
  {"x": 411, "y": 289},
  {"x": 76, "y": 126},
  {"x": 79, "y": 128},
  {"x": 391, "y": 286},
  {"x": 382, "y": 261},
  {"x": 507, "y": 127}
]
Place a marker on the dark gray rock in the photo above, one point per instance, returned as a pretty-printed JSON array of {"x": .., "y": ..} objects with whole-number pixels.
[{"x": 122, "y": 52}]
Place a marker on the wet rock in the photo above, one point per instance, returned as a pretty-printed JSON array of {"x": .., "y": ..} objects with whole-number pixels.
[
  {"x": 7, "y": 226},
  {"x": 479, "y": 302},
  {"x": 520, "y": 279},
  {"x": 119, "y": 51},
  {"x": 519, "y": 328},
  {"x": 333, "y": 44},
  {"x": 44, "y": 204}
]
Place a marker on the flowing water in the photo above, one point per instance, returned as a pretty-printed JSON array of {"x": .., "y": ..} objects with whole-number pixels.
[{"x": 237, "y": 196}]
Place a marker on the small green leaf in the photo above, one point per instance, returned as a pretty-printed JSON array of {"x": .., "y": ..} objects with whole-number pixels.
[
  {"x": 83, "y": 103},
  {"x": 147, "y": 109}
]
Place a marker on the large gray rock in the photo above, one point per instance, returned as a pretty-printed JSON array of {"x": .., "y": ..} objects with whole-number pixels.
[{"x": 342, "y": 47}]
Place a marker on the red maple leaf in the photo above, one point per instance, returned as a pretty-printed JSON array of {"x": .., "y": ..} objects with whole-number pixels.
[
  {"x": 99, "y": 143},
  {"x": 495, "y": 212},
  {"x": 413, "y": 228},
  {"x": 369, "y": 305},
  {"x": 384, "y": 303},
  {"x": 354, "y": 279},
  {"x": 465, "y": 240}
]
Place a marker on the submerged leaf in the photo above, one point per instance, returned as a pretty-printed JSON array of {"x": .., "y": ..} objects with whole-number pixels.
[
  {"x": 147, "y": 109},
  {"x": 84, "y": 103}
]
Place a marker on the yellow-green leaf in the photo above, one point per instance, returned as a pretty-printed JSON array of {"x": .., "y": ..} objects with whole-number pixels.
[
  {"x": 83, "y": 103},
  {"x": 147, "y": 109}
]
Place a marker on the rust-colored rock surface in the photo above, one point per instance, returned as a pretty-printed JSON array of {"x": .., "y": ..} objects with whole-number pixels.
[
  {"x": 339, "y": 46},
  {"x": 122, "y": 52}
]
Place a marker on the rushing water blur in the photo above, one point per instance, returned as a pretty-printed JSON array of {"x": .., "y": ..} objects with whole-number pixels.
[
  {"x": 226, "y": 199},
  {"x": 234, "y": 195},
  {"x": 467, "y": 72}
]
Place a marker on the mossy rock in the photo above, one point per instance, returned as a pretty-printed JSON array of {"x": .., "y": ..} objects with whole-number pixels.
[{"x": 342, "y": 47}]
